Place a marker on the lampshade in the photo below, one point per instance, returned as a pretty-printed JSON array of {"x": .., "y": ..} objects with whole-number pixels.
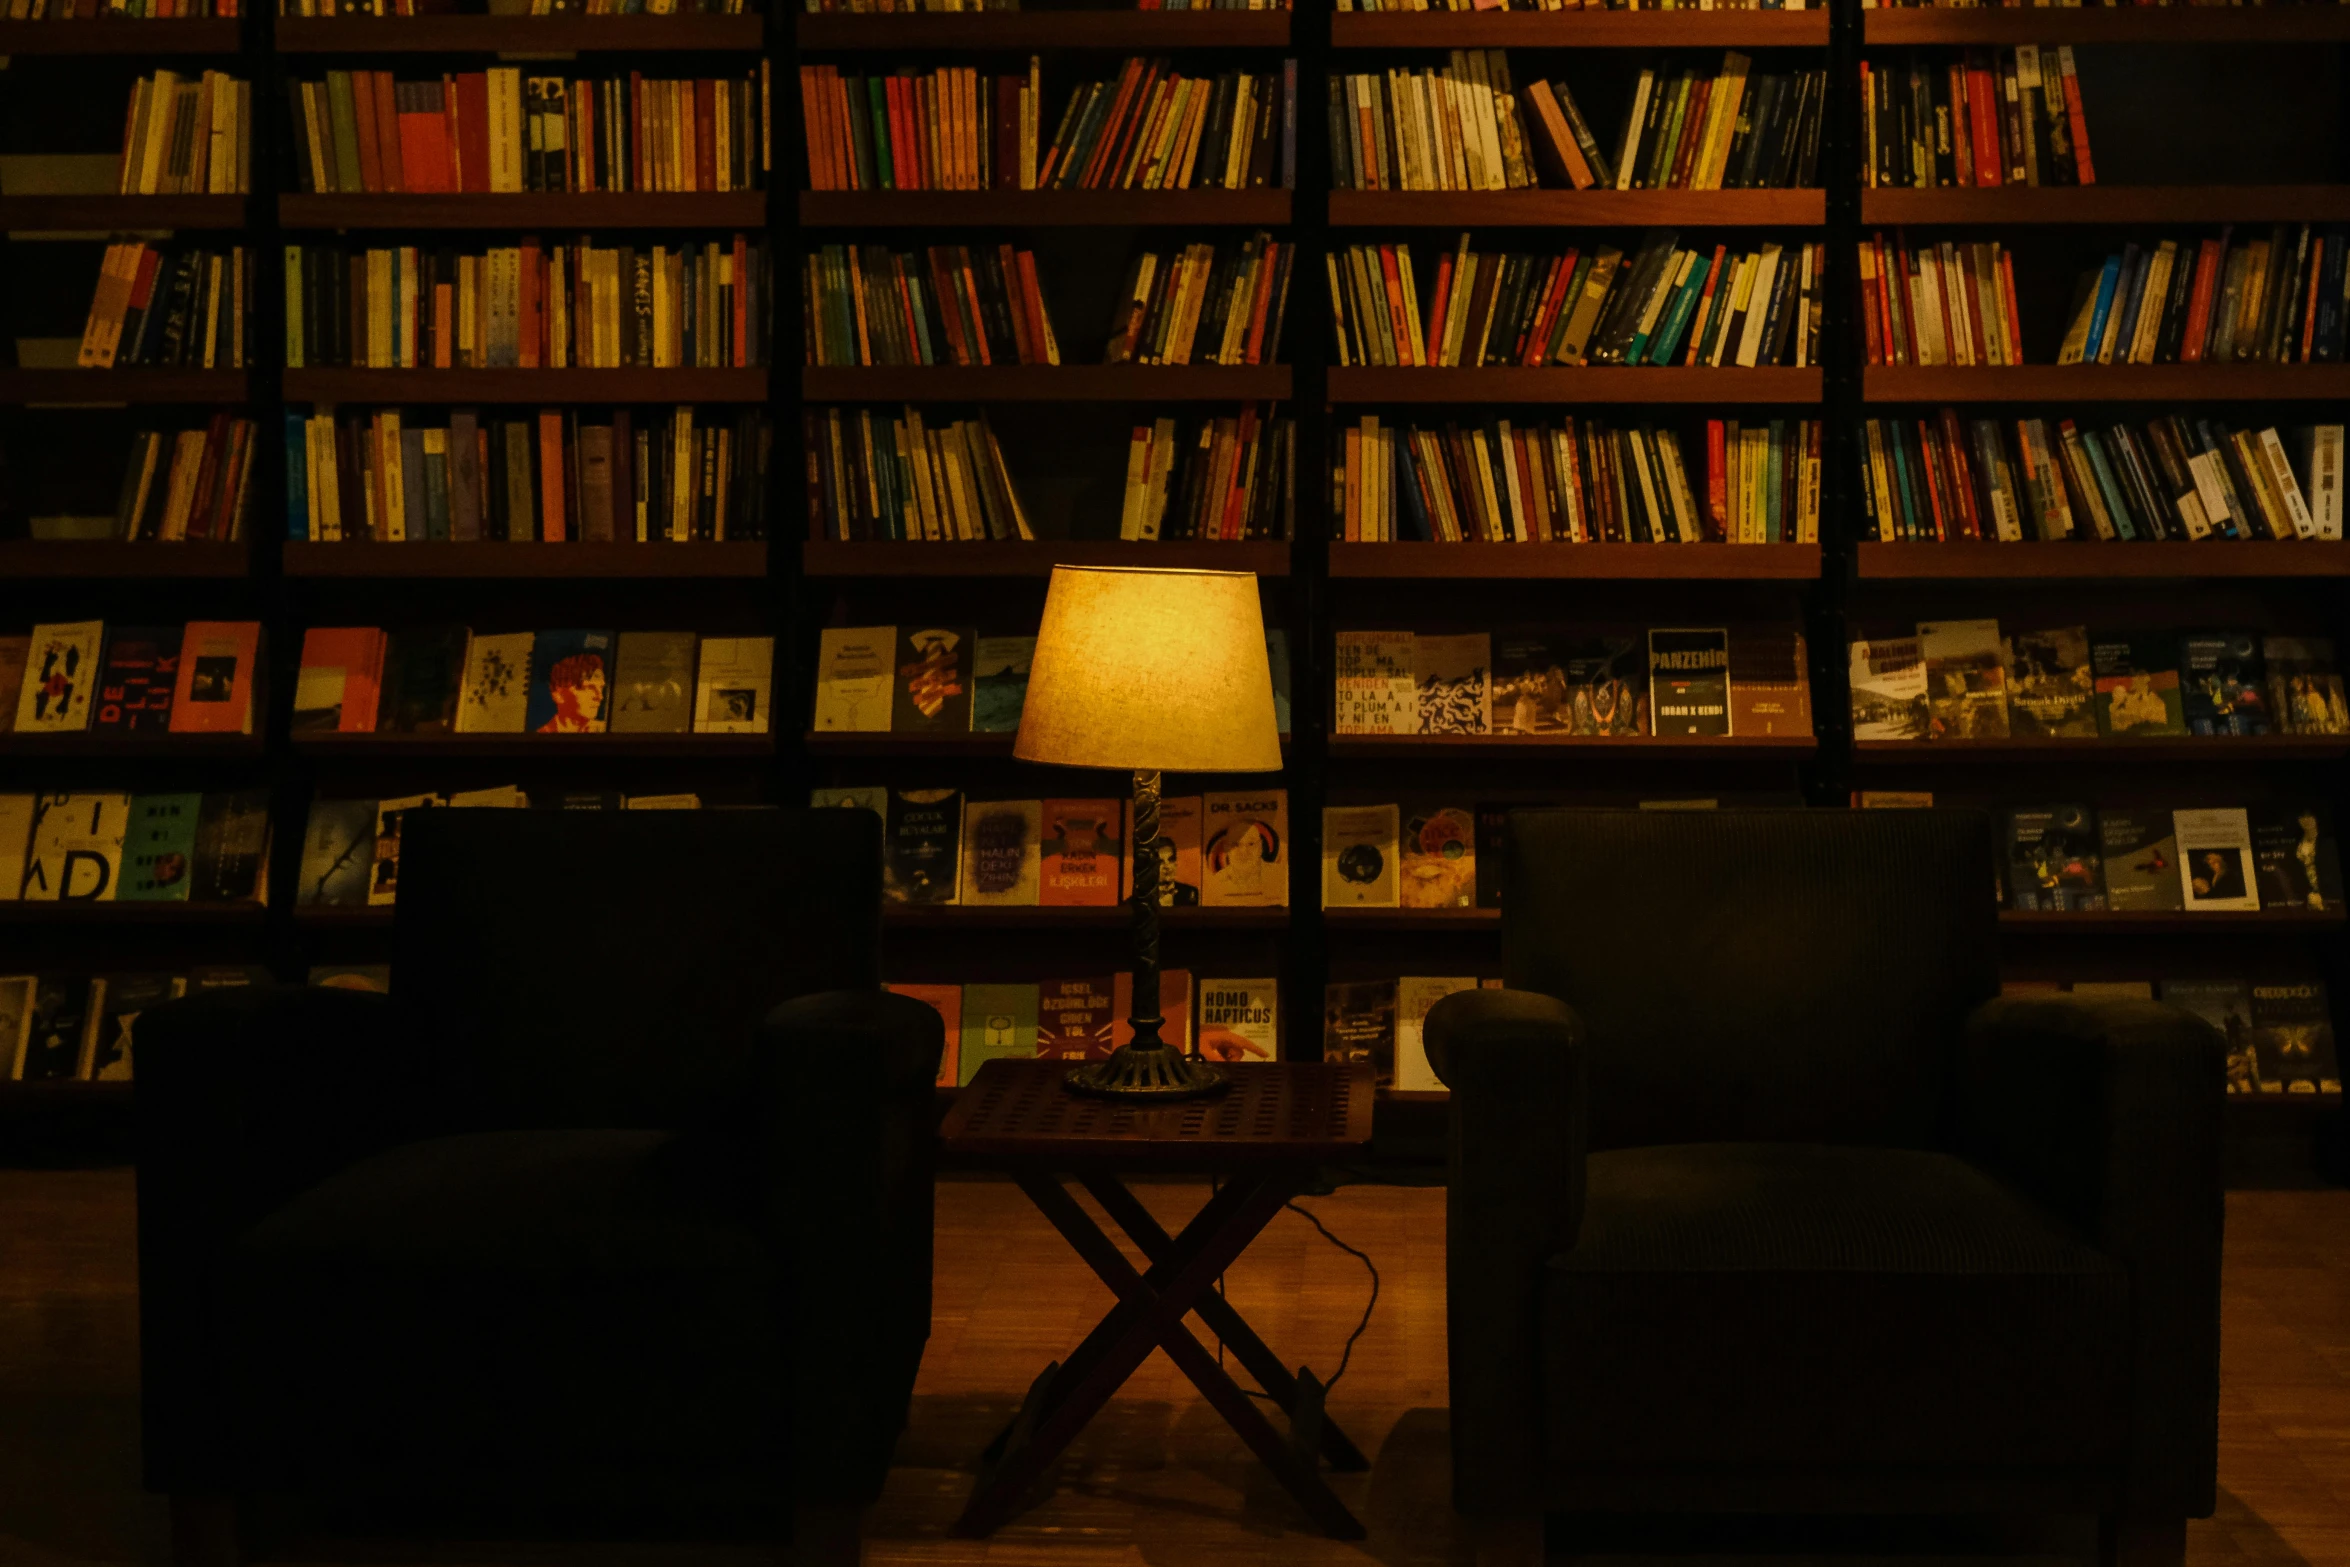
[{"x": 1138, "y": 668}]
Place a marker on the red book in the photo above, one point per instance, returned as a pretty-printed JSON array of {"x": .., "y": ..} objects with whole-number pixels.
[
  {"x": 424, "y": 161},
  {"x": 813, "y": 127},
  {"x": 1934, "y": 480},
  {"x": 1113, "y": 123},
  {"x": 1677, "y": 178},
  {"x": 1074, "y": 1018},
  {"x": 341, "y": 679},
  {"x": 942, "y": 289},
  {"x": 639, "y": 169},
  {"x": 2074, "y": 114},
  {"x": 1127, "y": 132},
  {"x": 1983, "y": 101},
  {"x": 1025, "y": 342},
  {"x": 371, "y": 167},
  {"x": 1033, "y": 298},
  {"x": 473, "y": 129},
  {"x": 551, "y": 506},
  {"x": 2317, "y": 257},
  {"x": 1705, "y": 300},
  {"x": 215, "y": 692},
  {"x": 1546, "y": 320},
  {"x": 1081, "y": 853},
  {"x": 1438, "y": 298},
  {"x": 905, "y": 171},
  {"x": 1007, "y": 132},
  {"x": 2015, "y": 331},
  {"x": 1236, "y": 490},
  {"x": 1961, "y": 474},
  {"x": 742, "y": 301},
  {"x": 1962, "y": 128},
  {"x": 705, "y": 135},
  {"x": 1268, "y": 274},
  {"x": 1717, "y": 479},
  {"x": 387, "y": 131},
  {"x": 1396, "y": 323},
  {"x": 947, "y": 1002}
]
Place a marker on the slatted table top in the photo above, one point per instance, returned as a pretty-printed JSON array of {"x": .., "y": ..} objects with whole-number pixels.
[{"x": 1274, "y": 1111}]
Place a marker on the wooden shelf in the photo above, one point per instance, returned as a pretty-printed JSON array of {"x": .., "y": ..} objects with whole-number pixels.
[
  {"x": 939, "y": 209},
  {"x": 1010, "y": 558},
  {"x": 1578, "y": 208},
  {"x": 1135, "y": 31},
  {"x": 450, "y": 558},
  {"x": 113, "y": 558},
  {"x": 328, "y": 744},
  {"x": 13, "y": 912},
  {"x": 2287, "y": 1104},
  {"x": 743, "y": 209},
  {"x": 2252, "y": 749},
  {"x": 2164, "y": 559},
  {"x": 101, "y": 388},
  {"x": 1574, "y": 384},
  {"x": 342, "y": 916},
  {"x": 516, "y": 34},
  {"x": 525, "y": 386},
  {"x": 115, "y": 214},
  {"x": 56, "y": 1093},
  {"x": 881, "y": 743},
  {"x": 1582, "y": 747},
  {"x": 2201, "y": 383},
  {"x": 1600, "y": 562},
  {"x": 1580, "y": 29},
  {"x": 2132, "y": 922},
  {"x": 165, "y": 36},
  {"x": 1413, "y": 919},
  {"x": 2010, "y": 205},
  {"x": 2167, "y": 24},
  {"x": 1045, "y": 383},
  {"x": 1116, "y": 916},
  {"x": 142, "y": 747}
]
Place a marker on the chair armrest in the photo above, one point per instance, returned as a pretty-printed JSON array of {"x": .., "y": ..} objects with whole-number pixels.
[
  {"x": 245, "y": 1097},
  {"x": 1514, "y": 1062},
  {"x": 2110, "y": 1115},
  {"x": 850, "y": 1134}
]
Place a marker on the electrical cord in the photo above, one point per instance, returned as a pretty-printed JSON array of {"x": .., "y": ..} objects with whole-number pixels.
[{"x": 1346, "y": 1354}]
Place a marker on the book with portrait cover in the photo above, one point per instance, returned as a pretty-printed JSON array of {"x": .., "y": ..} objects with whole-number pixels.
[
  {"x": 1888, "y": 683},
  {"x": 2295, "y": 860},
  {"x": 2226, "y": 1004},
  {"x": 2223, "y": 683},
  {"x": 1073, "y": 1017},
  {"x": 1244, "y": 849},
  {"x": 136, "y": 685},
  {"x": 1689, "y": 681},
  {"x": 1358, "y": 1025},
  {"x": 74, "y": 851},
  {"x": 2141, "y": 855},
  {"x": 1374, "y": 692},
  {"x": 1770, "y": 682},
  {"x": 931, "y": 691},
  {"x": 1603, "y": 682},
  {"x": 1529, "y": 688},
  {"x": 1082, "y": 850},
  {"x": 1177, "y": 851},
  {"x": 733, "y": 686},
  {"x": 159, "y": 848},
  {"x": 1415, "y": 995},
  {"x": 999, "y": 1023},
  {"x": 232, "y": 848},
  {"x": 116, "y": 1001},
  {"x": 2293, "y": 1039},
  {"x": 1452, "y": 685},
  {"x": 2137, "y": 684},
  {"x": 947, "y": 1002},
  {"x": 340, "y": 685},
  {"x": 1966, "y": 680},
  {"x": 495, "y": 698},
  {"x": 2051, "y": 693},
  {"x": 2305, "y": 687},
  {"x": 1001, "y": 852},
  {"x": 1174, "y": 1008},
  {"x": 2053, "y": 860},
  {"x": 570, "y": 681},
  {"x": 922, "y": 846},
  {"x": 424, "y": 673},
  {"x": 999, "y": 683},
  {"x": 218, "y": 663},
  {"x": 2215, "y": 861},
  {"x": 653, "y": 683},
  {"x": 338, "y": 854},
  {"x": 1436, "y": 863},
  {"x": 60, "y": 675},
  {"x": 1240, "y": 1019},
  {"x": 1358, "y": 856},
  {"x": 854, "y": 668}
]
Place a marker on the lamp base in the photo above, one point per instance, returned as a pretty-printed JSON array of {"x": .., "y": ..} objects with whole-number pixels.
[{"x": 1155, "y": 1072}]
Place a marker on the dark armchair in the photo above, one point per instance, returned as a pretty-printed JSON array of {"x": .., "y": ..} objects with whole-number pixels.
[
  {"x": 1762, "y": 1202},
  {"x": 624, "y": 1192}
]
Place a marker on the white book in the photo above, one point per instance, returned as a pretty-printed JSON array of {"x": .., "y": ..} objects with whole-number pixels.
[
  {"x": 74, "y": 849},
  {"x": 1374, "y": 693},
  {"x": 1758, "y": 306},
  {"x": 2272, "y": 449},
  {"x": 1415, "y": 997},
  {"x": 853, "y": 667},
  {"x": 732, "y": 690},
  {"x": 495, "y": 694},
  {"x": 60, "y": 673},
  {"x": 1359, "y": 851},
  {"x": 2216, "y": 871}
]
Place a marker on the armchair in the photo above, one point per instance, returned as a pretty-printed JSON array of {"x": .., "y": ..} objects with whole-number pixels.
[
  {"x": 624, "y": 1192},
  {"x": 1761, "y": 1201}
]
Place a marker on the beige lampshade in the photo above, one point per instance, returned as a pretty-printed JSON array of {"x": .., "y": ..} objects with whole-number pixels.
[{"x": 1137, "y": 668}]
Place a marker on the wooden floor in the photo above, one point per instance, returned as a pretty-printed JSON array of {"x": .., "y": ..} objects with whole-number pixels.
[{"x": 1159, "y": 1481}]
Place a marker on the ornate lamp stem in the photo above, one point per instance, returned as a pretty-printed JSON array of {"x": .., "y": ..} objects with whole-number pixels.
[{"x": 1145, "y": 1013}]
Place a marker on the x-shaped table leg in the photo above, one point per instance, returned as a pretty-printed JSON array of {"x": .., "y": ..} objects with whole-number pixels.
[{"x": 1149, "y": 1315}]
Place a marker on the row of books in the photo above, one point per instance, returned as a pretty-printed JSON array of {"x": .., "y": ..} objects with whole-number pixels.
[
  {"x": 1387, "y": 857},
  {"x": 1565, "y": 5},
  {"x": 582, "y": 306},
  {"x": 562, "y": 475},
  {"x": 2075, "y": 858},
  {"x": 98, "y": 847},
  {"x": 1578, "y": 481},
  {"x": 2170, "y": 477},
  {"x": 945, "y": 129},
  {"x": 168, "y": 308},
  {"x": 2280, "y": 1033},
  {"x": 1976, "y": 117},
  {"x": 1215, "y": 851},
  {"x": 1153, "y": 128},
  {"x": 1951, "y": 302},
  {"x": 451, "y": 680},
  {"x": 1532, "y": 680},
  {"x": 1664, "y": 304},
  {"x": 351, "y": 848},
  {"x": 533, "y": 8},
  {"x": 184, "y": 136},
  {"x": 1690, "y": 130},
  {"x": 1966, "y": 680},
  {"x": 1086, "y": 1019},
  {"x": 1454, "y": 127},
  {"x": 874, "y": 477},
  {"x": 1209, "y": 303},
  {"x": 187, "y": 484},
  {"x": 505, "y": 130},
  {"x": 2094, "y": 5},
  {"x": 949, "y": 304},
  {"x": 84, "y": 677},
  {"x": 1236, "y": 479},
  {"x": 1382, "y": 1023},
  {"x": 2273, "y": 300},
  {"x": 114, "y": 10},
  {"x": 76, "y": 1027}
]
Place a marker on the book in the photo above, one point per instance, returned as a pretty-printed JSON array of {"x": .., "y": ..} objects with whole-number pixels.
[
  {"x": 383, "y": 873},
  {"x": 1452, "y": 683},
  {"x": 1966, "y": 680},
  {"x": 54, "y": 1030},
  {"x": 1277, "y": 667},
  {"x": 999, "y": 683},
  {"x": 13, "y": 653},
  {"x": 159, "y": 848},
  {"x": 2296, "y": 862},
  {"x": 1770, "y": 685},
  {"x": 2140, "y": 851},
  {"x": 1244, "y": 848},
  {"x": 858, "y": 797},
  {"x": 1415, "y": 995},
  {"x": 853, "y": 678},
  {"x": 73, "y": 851},
  {"x": 2137, "y": 684},
  {"x": 2051, "y": 693},
  {"x": 1374, "y": 688},
  {"x": 217, "y": 664},
  {"x": 339, "y": 688},
  {"x": 16, "y": 835},
  {"x": 116, "y": 1003},
  {"x": 732, "y": 684},
  {"x": 1081, "y": 847},
  {"x": 1240, "y": 1019},
  {"x": 495, "y": 698},
  {"x": 1073, "y": 1018},
  {"x": 999, "y": 1023},
  {"x": 922, "y": 846},
  {"x": 2305, "y": 689},
  {"x": 2293, "y": 1039},
  {"x": 136, "y": 685},
  {"x": 1529, "y": 688},
  {"x": 2054, "y": 863},
  {"x": 338, "y": 854},
  {"x": 1602, "y": 682},
  {"x": 1358, "y": 1026},
  {"x": 2215, "y": 861},
  {"x": 424, "y": 679},
  {"x": 1177, "y": 850},
  {"x": 2222, "y": 683},
  {"x": 232, "y": 848},
  {"x": 653, "y": 683},
  {"x": 1436, "y": 867},
  {"x": 18, "y": 995},
  {"x": 1888, "y": 681},
  {"x": 947, "y": 1002},
  {"x": 931, "y": 693},
  {"x": 2226, "y": 1004},
  {"x": 1000, "y": 852},
  {"x": 1689, "y": 681},
  {"x": 1174, "y": 1008},
  {"x": 60, "y": 676},
  {"x": 1358, "y": 856},
  {"x": 570, "y": 680}
]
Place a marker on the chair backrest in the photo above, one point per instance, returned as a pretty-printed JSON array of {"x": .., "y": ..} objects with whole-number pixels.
[
  {"x": 608, "y": 968},
  {"x": 1755, "y": 974}
]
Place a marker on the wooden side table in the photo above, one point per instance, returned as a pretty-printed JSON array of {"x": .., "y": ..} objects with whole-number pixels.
[{"x": 1265, "y": 1138}]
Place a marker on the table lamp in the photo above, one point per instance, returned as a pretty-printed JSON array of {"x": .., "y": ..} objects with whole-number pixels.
[{"x": 1149, "y": 671}]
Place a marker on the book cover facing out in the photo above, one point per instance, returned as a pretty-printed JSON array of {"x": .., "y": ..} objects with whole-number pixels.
[
  {"x": 922, "y": 846},
  {"x": 932, "y": 692},
  {"x": 1689, "y": 681},
  {"x": 570, "y": 682}
]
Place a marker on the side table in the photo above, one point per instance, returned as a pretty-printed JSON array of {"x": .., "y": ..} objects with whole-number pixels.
[{"x": 1265, "y": 1137}]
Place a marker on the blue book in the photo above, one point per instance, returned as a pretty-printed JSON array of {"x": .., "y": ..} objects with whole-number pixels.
[
  {"x": 297, "y": 478},
  {"x": 1667, "y": 340},
  {"x": 1407, "y": 481},
  {"x": 2106, "y": 281},
  {"x": 570, "y": 677},
  {"x": 2109, "y": 486},
  {"x": 2131, "y": 292}
]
